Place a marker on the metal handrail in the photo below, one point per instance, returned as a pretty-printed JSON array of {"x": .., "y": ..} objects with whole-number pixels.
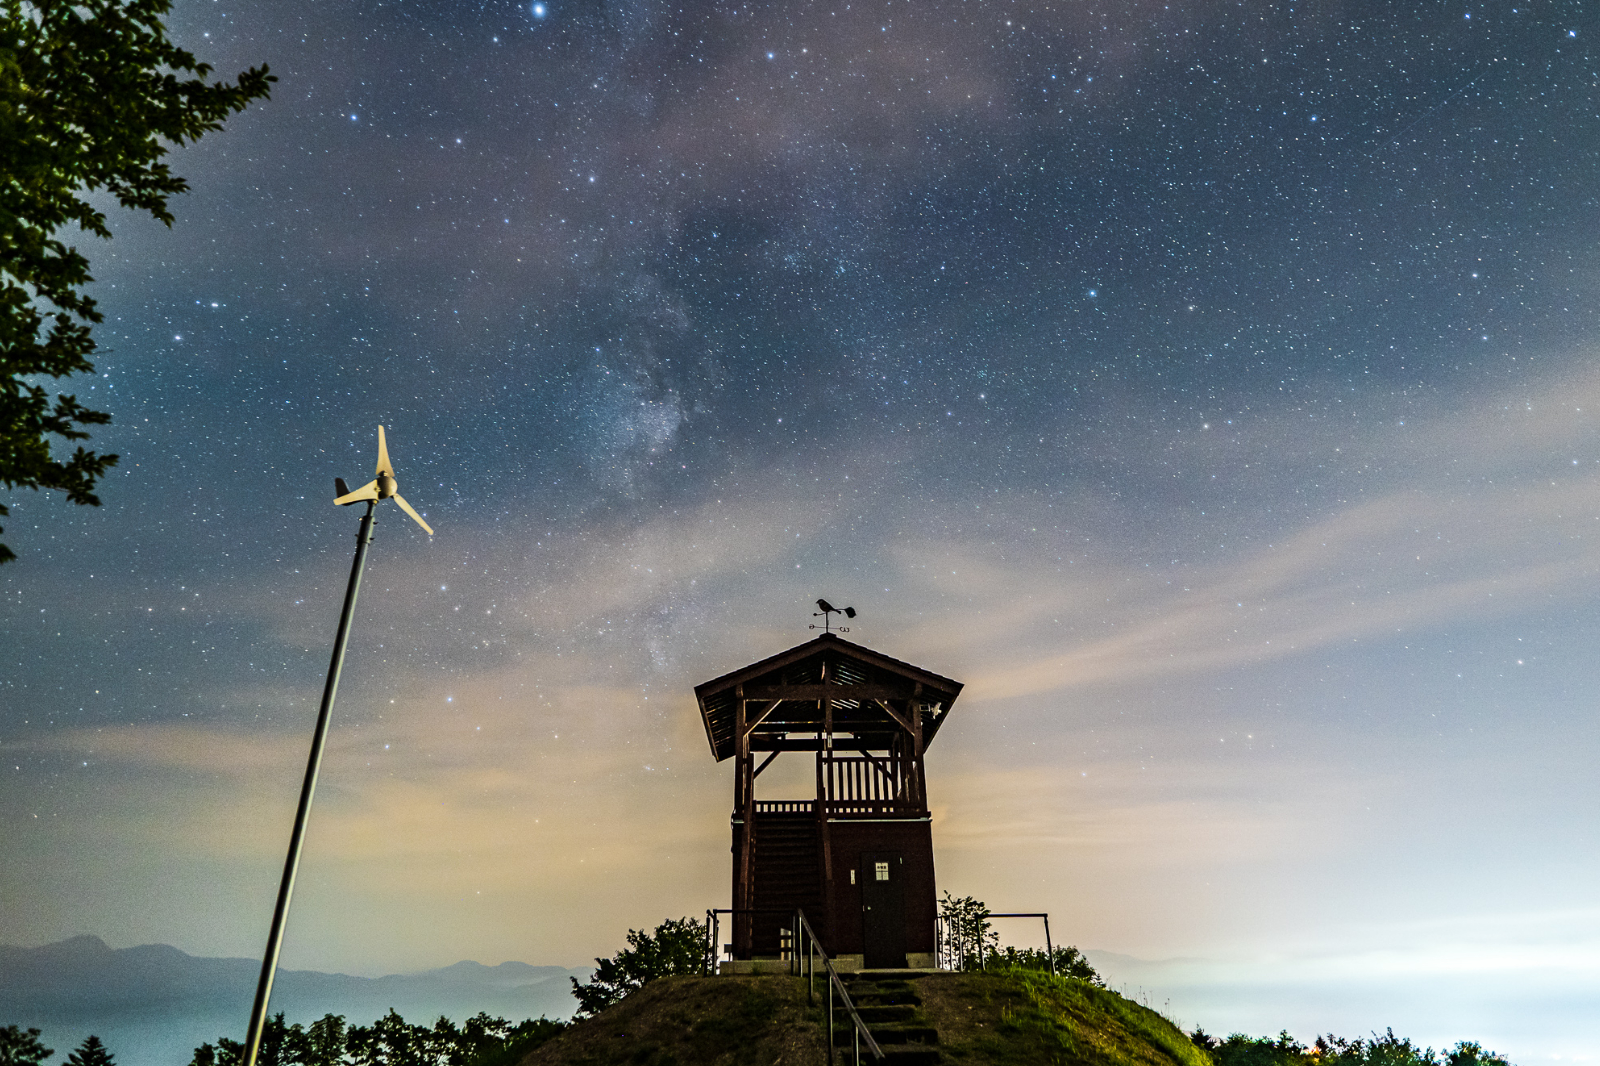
[
  {"x": 1049, "y": 949},
  {"x": 802, "y": 930},
  {"x": 714, "y": 930}
]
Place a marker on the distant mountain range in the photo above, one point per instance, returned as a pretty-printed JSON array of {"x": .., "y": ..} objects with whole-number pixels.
[{"x": 153, "y": 1005}]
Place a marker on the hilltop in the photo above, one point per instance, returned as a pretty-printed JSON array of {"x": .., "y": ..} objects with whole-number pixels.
[{"x": 956, "y": 1018}]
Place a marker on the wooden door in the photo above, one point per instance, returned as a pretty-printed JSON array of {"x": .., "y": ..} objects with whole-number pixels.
[{"x": 883, "y": 910}]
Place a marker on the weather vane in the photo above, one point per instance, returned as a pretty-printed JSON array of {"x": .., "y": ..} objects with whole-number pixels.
[{"x": 826, "y": 613}]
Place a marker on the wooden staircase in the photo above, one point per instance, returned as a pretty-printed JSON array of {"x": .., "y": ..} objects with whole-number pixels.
[
  {"x": 891, "y": 1008},
  {"x": 787, "y": 873}
]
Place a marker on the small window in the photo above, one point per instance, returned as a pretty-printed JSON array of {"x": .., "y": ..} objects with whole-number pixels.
[
  {"x": 883, "y": 870},
  {"x": 852, "y": 877}
]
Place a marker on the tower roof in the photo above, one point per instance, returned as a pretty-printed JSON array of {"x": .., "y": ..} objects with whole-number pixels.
[{"x": 872, "y": 695}]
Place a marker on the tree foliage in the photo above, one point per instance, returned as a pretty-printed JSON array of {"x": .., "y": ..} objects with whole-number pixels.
[
  {"x": 969, "y": 941},
  {"x": 1069, "y": 962},
  {"x": 967, "y": 937},
  {"x": 1330, "y": 1050},
  {"x": 92, "y": 94},
  {"x": 90, "y": 1053},
  {"x": 678, "y": 947},
  {"x": 22, "y": 1047},
  {"x": 389, "y": 1041}
]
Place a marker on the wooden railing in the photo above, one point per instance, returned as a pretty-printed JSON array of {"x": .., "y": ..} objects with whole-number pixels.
[
  {"x": 840, "y": 809},
  {"x": 785, "y": 807},
  {"x": 845, "y": 808},
  {"x": 873, "y": 809},
  {"x": 856, "y": 777}
]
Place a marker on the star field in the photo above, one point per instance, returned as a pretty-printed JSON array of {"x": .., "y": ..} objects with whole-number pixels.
[{"x": 1209, "y": 386}]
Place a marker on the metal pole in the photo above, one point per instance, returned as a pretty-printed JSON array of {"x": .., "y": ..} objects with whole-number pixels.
[
  {"x": 291, "y": 864},
  {"x": 1048, "y": 950},
  {"x": 830, "y": 1021}
]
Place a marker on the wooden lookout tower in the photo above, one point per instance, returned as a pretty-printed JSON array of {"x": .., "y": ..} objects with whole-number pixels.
[{"x": 858, "y": 857}]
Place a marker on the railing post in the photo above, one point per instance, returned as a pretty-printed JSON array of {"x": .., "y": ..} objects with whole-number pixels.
[
  {"x": 1048, "y": 949},
  {"x": 830, "y": 1023}
]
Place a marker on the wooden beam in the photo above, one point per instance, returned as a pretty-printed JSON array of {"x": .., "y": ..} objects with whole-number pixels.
[
  {"x": 892, "y": 713},
  {"x": 765, "y": 763},
  {"x": 768, "y": 742},
  {"x": 920, "y": 786},
  {"x": 750, "y": 725},
  {"x": 824, "y": 692},
  {"x": 882, "y": 769}
]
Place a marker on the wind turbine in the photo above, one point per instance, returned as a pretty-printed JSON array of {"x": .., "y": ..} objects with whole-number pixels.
[{"x": 382, "y": 487}]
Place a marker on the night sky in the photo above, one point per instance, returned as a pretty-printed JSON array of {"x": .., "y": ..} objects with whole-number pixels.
[{"x": 1210, "y": 387}]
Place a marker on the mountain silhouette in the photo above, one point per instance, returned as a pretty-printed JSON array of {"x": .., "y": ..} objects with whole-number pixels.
[{"x": 152, "y": 1005}]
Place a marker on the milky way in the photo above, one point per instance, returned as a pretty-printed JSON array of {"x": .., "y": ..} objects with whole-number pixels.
[{"x": 1208, "y": 386}]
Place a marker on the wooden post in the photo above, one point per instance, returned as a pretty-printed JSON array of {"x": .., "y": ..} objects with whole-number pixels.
[
  {"x": 827, "y": 833},
  {"x": 821, "y": 812},
  {"x": 914, "y": 705},
  {"x": 744, "y": 796}
]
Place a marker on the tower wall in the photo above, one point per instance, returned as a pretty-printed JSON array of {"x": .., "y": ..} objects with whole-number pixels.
[{"x": 853, "y": 842}]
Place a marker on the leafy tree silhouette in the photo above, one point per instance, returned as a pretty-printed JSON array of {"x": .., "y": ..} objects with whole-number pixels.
[
  {"x": 677, "y": 948},
  {"x": 21, "y": 1047},
  {"x": 91, "y": 96},
  {"x": 389, "y": 1041}
]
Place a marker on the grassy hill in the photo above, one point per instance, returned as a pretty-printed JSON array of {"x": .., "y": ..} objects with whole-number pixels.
[{"x": 957, "y": 1018}]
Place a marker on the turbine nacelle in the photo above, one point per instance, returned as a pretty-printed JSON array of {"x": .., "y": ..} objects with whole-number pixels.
[{"x": 383, "y": 487}]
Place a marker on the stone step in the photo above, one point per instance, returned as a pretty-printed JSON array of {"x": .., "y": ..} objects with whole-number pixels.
[
  {"x": 900, "y": 1054},
  {"x": 895, "y": 995},
  {"x": 889, "y": 1012},
  {"x": 910, "y": 1033}
]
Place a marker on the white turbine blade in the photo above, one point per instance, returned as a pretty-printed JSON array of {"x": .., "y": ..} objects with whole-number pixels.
[
  {"x": 384, "y": 466},
  {"x": 406, "y": 507},
  {"x": 369, "y": 491}
]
